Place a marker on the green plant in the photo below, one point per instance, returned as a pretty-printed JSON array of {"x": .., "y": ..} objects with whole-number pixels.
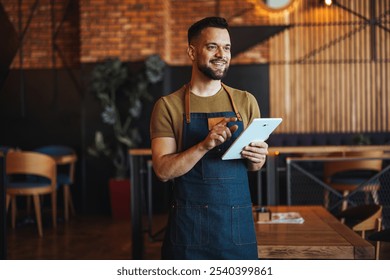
[
  {"x": 122, "y": 94},
  {"x": 361, "y": 139}
]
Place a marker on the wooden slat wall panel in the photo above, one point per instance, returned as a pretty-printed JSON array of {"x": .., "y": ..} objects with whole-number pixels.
[{"x": 323, "y": 76}]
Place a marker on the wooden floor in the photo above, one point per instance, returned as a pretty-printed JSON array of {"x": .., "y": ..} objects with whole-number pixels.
[
  {"x": 82, "y": 238},
  {"x": 87, "y": 238}
]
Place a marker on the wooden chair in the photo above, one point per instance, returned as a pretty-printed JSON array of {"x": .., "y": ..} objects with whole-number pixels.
[
  {"x": 346, "y": 175},
  {"x": 20, "y": 167},
  {"x": 363, "y": 218},
  {"x": 65, "y": 158},
  {"x": 380, "y": 236}
]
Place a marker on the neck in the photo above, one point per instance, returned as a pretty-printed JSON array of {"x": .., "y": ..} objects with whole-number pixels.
[{"x": 205, "y": 88}]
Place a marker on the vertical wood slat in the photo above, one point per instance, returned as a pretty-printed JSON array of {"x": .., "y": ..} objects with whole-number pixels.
[
  {"x": 382, "y": 101},
  {"x": 338, "y": 88},
  {"x": 329, "y": 81}
]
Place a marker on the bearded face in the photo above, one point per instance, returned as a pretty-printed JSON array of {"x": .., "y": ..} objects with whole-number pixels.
[
  {"x": 213, "y": 53},
  {"x": 217, "y": 70}
]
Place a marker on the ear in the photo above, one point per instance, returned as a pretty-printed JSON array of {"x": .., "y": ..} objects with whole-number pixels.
[{"x": 191, "y": 52}]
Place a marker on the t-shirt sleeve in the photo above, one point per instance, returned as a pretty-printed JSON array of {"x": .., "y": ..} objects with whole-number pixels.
[
  {"x": 253, "y": 108},
  {"x": 161, "y": 121}
]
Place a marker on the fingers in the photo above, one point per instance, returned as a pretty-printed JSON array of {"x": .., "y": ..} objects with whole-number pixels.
[
  {"x": 233, "y": 128},
  {"x": 256, "y": 152},
  {"x": 225, "y": 121},
  {"x": 220, "y": 133},
  {"x": 260, "y": 144},
  {"x": 223, "y": 124}
]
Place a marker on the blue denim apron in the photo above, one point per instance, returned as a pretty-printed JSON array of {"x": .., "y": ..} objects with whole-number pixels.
[{"x": 211, "y": 212}]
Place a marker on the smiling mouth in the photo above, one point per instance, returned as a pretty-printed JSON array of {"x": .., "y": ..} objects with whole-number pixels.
[{"x": 219, "y": 63}]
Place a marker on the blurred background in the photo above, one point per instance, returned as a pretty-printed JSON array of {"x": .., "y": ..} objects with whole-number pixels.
[{"x": 322, "y": 67}]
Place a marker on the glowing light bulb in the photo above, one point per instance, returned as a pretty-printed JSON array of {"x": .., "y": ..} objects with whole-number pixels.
[{"x": 328, "y": 2}]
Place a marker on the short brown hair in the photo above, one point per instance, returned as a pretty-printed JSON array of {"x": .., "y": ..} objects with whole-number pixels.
[{"x": 197, "y": 27}]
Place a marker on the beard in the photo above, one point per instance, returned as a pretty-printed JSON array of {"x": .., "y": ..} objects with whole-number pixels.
[{"x": 213, "y": 74}]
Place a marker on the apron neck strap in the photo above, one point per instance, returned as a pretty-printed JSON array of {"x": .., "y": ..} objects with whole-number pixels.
[{"x": 187, "y": 103}]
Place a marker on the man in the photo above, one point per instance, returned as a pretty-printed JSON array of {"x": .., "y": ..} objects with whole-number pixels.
[{"x": 211, "y": 211}]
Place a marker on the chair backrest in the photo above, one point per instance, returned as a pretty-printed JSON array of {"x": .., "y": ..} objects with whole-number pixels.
[
  {"x": 372, "y": 221},
  {"x": 63, "y": 155},
  {"x": 55, "y": 150},
  {"x": 362, "y": 217},
  {"x": 371, "y": 164},
  {"x": 31, "y": 163}
]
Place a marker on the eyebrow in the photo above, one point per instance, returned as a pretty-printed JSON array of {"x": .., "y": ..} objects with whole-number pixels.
[{"x": 213, "y": 43}]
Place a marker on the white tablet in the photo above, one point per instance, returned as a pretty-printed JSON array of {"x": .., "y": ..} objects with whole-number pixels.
[{"x": 258, "y": 130}]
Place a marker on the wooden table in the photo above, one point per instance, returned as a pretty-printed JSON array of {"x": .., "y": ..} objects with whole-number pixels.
[{"x": 321, "y": 236}]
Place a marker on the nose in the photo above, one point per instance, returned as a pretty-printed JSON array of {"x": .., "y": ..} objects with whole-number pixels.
[{"x": 221, "y": 52}]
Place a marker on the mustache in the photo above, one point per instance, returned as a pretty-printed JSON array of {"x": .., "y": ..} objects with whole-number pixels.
[{"x": 218, "y": 60}]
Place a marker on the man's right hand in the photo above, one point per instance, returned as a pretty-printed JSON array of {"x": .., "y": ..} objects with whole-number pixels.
[
  {"x": 168, "y": 164},
  {"x": 219, "y": 133}
]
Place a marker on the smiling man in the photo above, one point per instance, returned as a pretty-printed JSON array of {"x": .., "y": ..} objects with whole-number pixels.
[{"x": 211, "y": 211}]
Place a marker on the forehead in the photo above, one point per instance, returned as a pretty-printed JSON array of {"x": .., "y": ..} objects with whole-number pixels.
[{"x": 214, "y": 35}]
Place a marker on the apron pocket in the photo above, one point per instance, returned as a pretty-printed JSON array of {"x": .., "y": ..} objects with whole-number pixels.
[
  {"x": 215, "y": 168},
  {"x": 190, "y": 225},
  {"x": 243, "y": 226}
]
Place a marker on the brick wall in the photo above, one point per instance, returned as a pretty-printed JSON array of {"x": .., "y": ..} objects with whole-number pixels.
[
  {"x": 37, "y": 47},
  {"x": 129, "y": 29}
]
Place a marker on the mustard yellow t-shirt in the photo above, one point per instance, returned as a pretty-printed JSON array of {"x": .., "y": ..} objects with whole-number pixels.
[{"x": 169, "y": 111}]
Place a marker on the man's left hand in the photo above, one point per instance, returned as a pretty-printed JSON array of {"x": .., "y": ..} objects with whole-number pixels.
[{"x": 256, "y": 152}]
